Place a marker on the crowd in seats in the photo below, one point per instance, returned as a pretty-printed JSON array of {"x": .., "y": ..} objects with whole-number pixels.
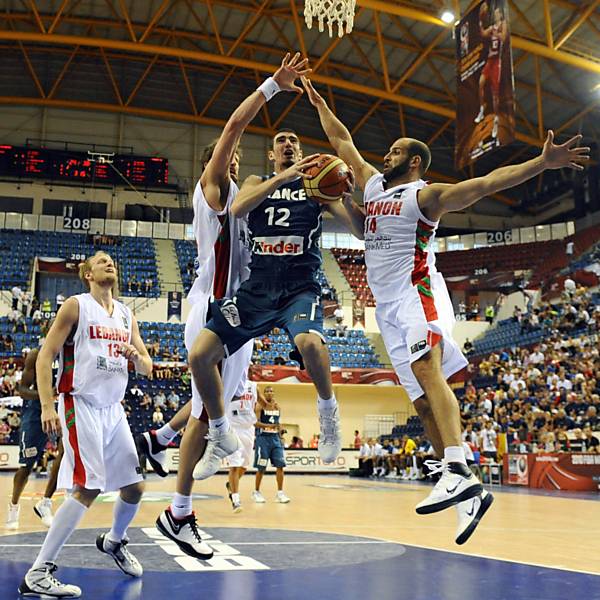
[
  {"x": 17, "y": 342},
  {"x": 135, "y": 257},
  {"x": 579, "y": 312},
  {"x": 10, "y": 420}
]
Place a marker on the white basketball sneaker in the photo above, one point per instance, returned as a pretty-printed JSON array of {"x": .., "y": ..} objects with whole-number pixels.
[
  {"x": 126, "y": 561},
  {"x": 470, "y": 512},
  {"x": 495, "y": 127},
  {"x": 258, "y": 497},
  {"x": 281, "y": 497},
  {"x": 43, "y": 509},
  {"x": 41, "y": 582},
  {"x": 184, "y": 532},
  {"x": 330, "y": 440},
  {"x": 218, "y": 447},
  {"x": 12, "y": 519},
  {"x": 456, "y": 484},
  {"x": 480, "y": 116},
  {"x": 148, "y": 445}
]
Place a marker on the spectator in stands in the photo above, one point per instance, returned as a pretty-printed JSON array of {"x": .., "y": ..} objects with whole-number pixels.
[
  {"x": 326, "y": 293},
  {"x": 517, "y": 314},
  {"x": 136, "y": 393},
  {"x": 4, "y": 432},
  {"x": 175, "y": 356},
  {"x": 591, "y": 442},
  {"x": 35, "y": 304},
  {"x": 14, "y": 421},
  {"x": 297, "y": 442},
  {"x": 365, "y": 459},
  {"x": 148, "y": 285},
  {"x": 591, "y": 418},
  {"x": 577, "y": 443},
  {"x": 18, "y": 321},
  {"x": 36, "y": 316},
  {"x": 314, "y": 441},
  {"x": 160, "y": 400},
  {"x": 133, "y": 284},
  {"x": 9, "y": 343},
  {"x": 26, "y": 303},
  {"x": 46, "y": 306},
  {"x": 357, "y": 439},
  {"x": 279, "y": 361},
  {"x": 158, "y": 418},
  {"x": 468, "y": 347},
  {"x": 490, "y": 312},
  {"x": 173, "y": 400},
  {"x": 473, "y": 311},
  {"x": 462, "y": 311},
  {"x": 146, "y": 402},
  {"x": 166, "y": 355},
  {"x": 60, "y": 300},
  {"x": 266, "y": 343},
  {"x": 16, "y": 292}
]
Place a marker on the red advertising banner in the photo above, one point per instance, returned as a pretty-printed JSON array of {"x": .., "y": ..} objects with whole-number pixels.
[
  {"x": 573, "y": 471},
  {"x": 295, "y": 375},
  {"x": 485, "y": 112}
]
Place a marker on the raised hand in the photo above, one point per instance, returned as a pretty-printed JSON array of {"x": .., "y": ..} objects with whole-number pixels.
[
  {"x": 289, "y": 71},
  {"x": 299, "y": 169},
  {"x": 565, "y": 155},
  {"x": 314, "y": 97}
]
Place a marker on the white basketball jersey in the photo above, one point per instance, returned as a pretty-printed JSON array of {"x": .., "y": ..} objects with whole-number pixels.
[
  {"x": 241, "y": 409},
  {"x": 223, "y": 256},
  {"x": 398, "y": 240},
  {"x": 92, "y": 367}
]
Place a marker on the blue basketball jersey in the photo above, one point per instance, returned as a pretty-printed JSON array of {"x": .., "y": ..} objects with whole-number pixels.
[
  {"x": 284, "y": 233},
  {"x": 270, "y": 417}
]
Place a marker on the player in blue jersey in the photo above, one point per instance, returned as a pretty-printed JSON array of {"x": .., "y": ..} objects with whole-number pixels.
[
  {"x": 32, "y": 444},
  {"x": 282, "y": 291}
]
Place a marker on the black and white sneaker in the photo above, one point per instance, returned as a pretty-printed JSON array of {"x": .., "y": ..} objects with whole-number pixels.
[
  {"x": 456, "y": 484},
  {"x": 234, "y": 499},
  {"x": 126, "y": 561},
  {"x": 148, "y": 446},
  {"x": 470, "y": 512},
  {"x": 184, "y": 532},
  {"x": 41, "y": 582}
]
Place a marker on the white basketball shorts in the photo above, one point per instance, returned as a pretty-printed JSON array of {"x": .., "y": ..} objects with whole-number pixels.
[
  {"x": 244, "y": 455},
  {"x": 234, "y": 369},
  {"x": 100, "y": 452},
  {"x": 411, "y": 326}
]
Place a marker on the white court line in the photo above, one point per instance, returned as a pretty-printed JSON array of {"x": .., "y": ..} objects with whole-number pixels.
[{"x": 166, "y": 541}]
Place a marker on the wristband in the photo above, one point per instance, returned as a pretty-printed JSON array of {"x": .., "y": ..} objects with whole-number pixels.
[{"x": 269, "y": 87}]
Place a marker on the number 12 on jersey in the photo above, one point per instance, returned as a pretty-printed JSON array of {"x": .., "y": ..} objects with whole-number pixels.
[{"x": 283, "y": 215}]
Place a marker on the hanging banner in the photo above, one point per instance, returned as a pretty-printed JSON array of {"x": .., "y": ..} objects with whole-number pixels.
[
  {"x": 174, "y": 301},
  {"x": 485, "y": 111}
]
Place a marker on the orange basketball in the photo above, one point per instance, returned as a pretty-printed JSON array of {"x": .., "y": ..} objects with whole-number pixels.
[{"x": 328, "y": 179}]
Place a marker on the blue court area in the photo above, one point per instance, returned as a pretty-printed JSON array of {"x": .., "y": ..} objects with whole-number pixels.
[{"x": 267, "y": 564}]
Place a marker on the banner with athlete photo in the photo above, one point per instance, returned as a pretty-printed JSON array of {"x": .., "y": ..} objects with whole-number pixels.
[
  {"x": 485, "y": 111},
  {"x": 174, "y": 304}
]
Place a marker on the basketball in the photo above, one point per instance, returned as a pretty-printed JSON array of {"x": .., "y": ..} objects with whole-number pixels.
[{"x": 328, "y": 179}]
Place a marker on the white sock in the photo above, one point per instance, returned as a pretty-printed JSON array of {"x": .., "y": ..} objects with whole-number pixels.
[
  {"x": 235, "y": 497},
  {"x": 165, "y": 435},
  {"x": 65, "y": 521},
  {"x": 326, "y": 405},
  {"x": 181, "y": 506},
  {"x": 123, "y": 514},
  {"x": 221, "y": 425},
  {"x": 455, "y": 454}
]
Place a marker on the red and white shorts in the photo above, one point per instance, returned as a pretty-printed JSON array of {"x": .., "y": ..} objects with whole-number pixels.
[
  {"x": 100, "y": 452},
  {"x": 413, "y": 324},
  {"x": 234, "y": 369},
  {"x": 244, "y": 455},
  {"x": 492, "y": 72}
]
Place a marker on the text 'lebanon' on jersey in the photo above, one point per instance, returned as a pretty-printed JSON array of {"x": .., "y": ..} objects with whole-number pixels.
[{"x": 285, "y": 230}]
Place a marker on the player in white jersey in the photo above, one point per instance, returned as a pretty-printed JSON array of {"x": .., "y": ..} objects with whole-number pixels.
[
  {"x": 222, "y": 267},
  {"x": 242, "y": 419},
  {"x": 96, "y": 336},
  {"x": 398, "y": 223}
]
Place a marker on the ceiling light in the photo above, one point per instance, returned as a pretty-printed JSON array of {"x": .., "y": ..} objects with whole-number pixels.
[{"x": 448, "y": 17}]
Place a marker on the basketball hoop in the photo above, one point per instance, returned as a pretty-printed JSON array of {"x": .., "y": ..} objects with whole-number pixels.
[{"x": 330, "y": 12}]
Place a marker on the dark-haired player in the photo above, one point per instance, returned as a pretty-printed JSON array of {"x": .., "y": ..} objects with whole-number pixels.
[
  {"x": 282, "y": 291},
  {"x": 398, "y": 223}
]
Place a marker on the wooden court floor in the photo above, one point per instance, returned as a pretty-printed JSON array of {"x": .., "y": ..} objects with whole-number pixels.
[{"x": 560, "y": 531}]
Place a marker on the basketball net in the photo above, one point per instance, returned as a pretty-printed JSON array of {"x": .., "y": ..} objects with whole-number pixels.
[{"x": 330, "y": 12}]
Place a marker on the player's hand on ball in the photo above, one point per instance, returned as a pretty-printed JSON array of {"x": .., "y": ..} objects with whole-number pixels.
[
  {"x": 350, "y": 184},
  {"x": 289, "y": 71},
  {"x": 314, "y": 97},
  {"x": 565, "y": 155},
  {"x": 299, "y": 169},
  {"x": 50, "y": 421}
]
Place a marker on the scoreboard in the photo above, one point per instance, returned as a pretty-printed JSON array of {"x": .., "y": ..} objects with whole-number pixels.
[{"x": 67, "y": 165}]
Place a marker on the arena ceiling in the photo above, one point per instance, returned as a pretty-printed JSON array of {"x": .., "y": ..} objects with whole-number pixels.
[{"x": 195, "y": 60}]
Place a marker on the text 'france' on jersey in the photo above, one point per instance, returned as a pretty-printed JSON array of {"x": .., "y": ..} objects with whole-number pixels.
[{"x": 284, "y": 232}]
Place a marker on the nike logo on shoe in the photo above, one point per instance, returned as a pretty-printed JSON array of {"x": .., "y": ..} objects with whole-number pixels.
[
  {"x": 451, "y": 491},
  {"x": 472, "y": 511}
]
